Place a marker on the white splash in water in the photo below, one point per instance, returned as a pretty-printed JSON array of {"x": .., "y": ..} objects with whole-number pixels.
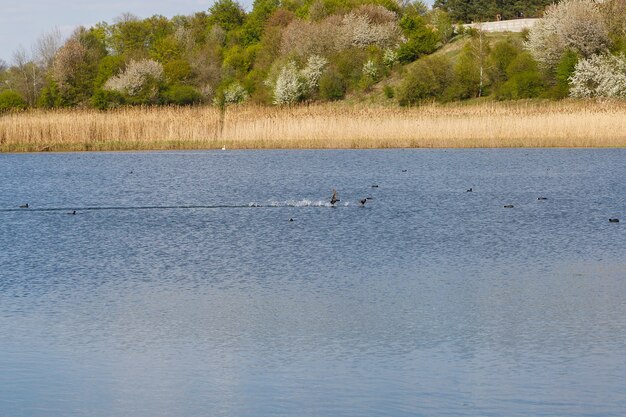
[{"x": 299, "y": 203}]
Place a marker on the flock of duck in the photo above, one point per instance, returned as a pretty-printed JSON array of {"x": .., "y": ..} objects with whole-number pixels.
[{"x": 334, "y": 199}]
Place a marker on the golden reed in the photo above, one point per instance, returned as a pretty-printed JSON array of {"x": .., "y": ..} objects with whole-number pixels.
[{"x": 475, "y": 125}]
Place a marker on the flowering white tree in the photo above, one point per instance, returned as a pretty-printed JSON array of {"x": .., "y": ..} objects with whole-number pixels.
[
  {"x": 293, "y": 85},
  {"x": 576, "y": 25},
  {"x": 602, "y": 75},
  {"x": 137, "y": 76},
  {"x": 313, "y": 71},
  {"x": 364, "y": 26},
  {"x": 289, "y": 87},
  {"x": 358, "y": 30}
]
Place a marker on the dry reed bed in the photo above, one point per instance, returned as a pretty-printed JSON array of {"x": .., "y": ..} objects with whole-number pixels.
[{"x": 490, "y": 124}]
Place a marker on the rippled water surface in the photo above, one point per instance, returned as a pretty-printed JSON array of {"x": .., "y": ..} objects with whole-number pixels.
[{"x": 181, "y": 288}]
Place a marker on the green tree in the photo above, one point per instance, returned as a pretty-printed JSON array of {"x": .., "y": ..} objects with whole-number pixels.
[
  {"x": 228, "y": 14},
  {"x": 470, "y": 74}
]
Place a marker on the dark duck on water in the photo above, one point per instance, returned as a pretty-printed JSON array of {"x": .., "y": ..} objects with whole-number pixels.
[{"x": 334, "y": 198}]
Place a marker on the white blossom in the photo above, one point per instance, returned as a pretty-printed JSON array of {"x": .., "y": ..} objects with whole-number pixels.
[
  {"x": 390, "y": 57},
  {"x": 235, "y": 93},
  {"x": 370, "y": 69},
  {"x": 313, "y": 71},
  {"x": 289, "y": 87},
  {"x": 358, "y": 30},
  {"x": 571, "y": 24},
  {"x": 602, "y": 75},
  {"x": 135, "y": 77}
]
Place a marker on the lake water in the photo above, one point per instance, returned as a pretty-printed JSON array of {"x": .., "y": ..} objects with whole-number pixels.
[{"x": 181, "y": 288}]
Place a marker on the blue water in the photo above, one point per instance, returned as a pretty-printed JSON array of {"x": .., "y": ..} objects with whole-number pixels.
[{"x": 181, "y": 288}]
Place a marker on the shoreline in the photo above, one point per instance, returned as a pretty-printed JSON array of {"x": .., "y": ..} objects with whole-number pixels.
[{"x": 479, "y": 124}]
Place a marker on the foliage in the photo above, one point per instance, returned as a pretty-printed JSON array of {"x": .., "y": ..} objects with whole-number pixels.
[
  {"x": 469, "y": 70},
  {"x": 235, "y": 93},
  {"x": 523, "y": 79},
  {"x": 227, "y": 14},
  {"x": 139, "y": 81},
  {"x": 467, "y": 11},
  {"x": 575, "y": 25},
  {"x": 602, "y": 75},
  {"x": 420, "y": 39},
  {"x": 181, "y": 95},
  {"x": 289, "y": 87},
  {"x": 389, "y": 92},
  {"x": 312, "y": 72},
  {"x": 106, "y": 99},
  {"x": 11, "y": 100},
  {"x": 427, "y": 79},
  {"x": 289, "y": 51},
  {"x": 332, "y": 86},
  {"x": 500, "y": 57},
  {"x": 564, "y": 71}
]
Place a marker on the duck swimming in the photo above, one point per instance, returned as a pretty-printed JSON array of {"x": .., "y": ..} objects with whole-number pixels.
[
  {"x": 613, "y": 220},
  {"x": 24, "y": 205},
  {"x": 509, "y": 206}
]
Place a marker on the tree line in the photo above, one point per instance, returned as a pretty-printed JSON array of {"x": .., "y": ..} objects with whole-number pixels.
[{"x": 288, "y": 51}]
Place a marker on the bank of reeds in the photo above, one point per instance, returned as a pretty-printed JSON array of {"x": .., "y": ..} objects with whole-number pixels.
[{"x": 483, "y": 125}]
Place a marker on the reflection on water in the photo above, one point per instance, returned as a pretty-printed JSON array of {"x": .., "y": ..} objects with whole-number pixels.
[{"x": 180, "y": 287}]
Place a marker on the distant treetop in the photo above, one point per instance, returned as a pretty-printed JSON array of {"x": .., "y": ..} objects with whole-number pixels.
[{"x": 468, "y": 11}]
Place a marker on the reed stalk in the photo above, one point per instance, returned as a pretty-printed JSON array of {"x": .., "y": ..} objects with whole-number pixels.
[{"x": 572, "y": 124}]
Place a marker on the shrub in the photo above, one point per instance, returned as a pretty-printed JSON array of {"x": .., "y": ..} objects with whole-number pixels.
[
  {"x": 289, "y": 87},
  {"x": 427, "y": 79},
  {"x": 332, "y": 86},
  {"x": 11, "y": 100},
  {"x": 293, "y": 85},
  {"x": 106, "y": 99},
  {"x": 599, "y": 76},
  {"x": 50, "y": 96},
  {"x": 235, "y": 94},
  {"x": 390, "y": 57},
  {"x": 181, "y": 95},
  {"x": 524, "y": 79},
  {"x": 312, "y": 72},
  {"x": 420, "y": 39},
  {"x": 140, "y": 81},
  {"x": 500, "y": 57}
]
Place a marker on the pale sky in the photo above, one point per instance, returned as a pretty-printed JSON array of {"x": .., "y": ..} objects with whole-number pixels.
[{"x": 23, "y": 21}]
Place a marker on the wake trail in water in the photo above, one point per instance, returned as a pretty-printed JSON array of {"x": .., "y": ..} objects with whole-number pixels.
[{"x": 271, "y": 204}]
